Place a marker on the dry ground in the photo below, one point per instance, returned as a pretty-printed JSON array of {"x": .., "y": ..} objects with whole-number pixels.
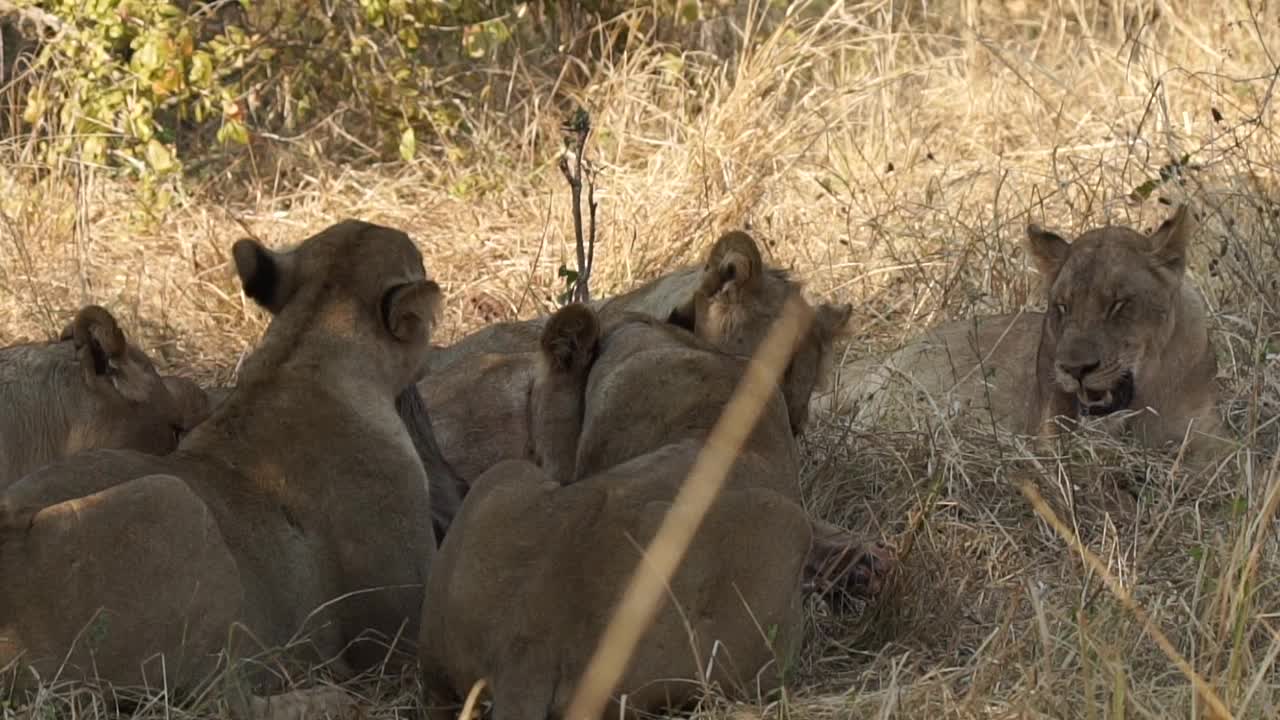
[{"x": 892, "y": 158}]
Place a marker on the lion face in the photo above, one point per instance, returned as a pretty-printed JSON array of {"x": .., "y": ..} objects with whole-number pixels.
[{"x": 1111, "y": 299}]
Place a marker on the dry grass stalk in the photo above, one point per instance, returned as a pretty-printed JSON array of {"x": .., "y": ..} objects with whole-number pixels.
[{"x": 1218, "y": 710}]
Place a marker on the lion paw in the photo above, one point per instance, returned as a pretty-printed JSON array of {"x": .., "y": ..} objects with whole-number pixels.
[{"x": 850, "y": 569}]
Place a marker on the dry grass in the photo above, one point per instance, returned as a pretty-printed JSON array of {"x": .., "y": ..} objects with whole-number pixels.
[{"x": 891, "y": 157}]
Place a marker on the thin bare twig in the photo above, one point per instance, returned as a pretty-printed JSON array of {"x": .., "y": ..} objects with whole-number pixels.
[{"x": 576, "y": 131}]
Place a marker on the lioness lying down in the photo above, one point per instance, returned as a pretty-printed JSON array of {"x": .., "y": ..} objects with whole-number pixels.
[
  {"x": 478, "y": 389},
  {"x": 536, "y": 560},
  {"x": 296, "y": 510},
  {"x": 446, "y": 487},
  {"x": 1125, "y": 341},
  {"x": 91, "y": 389}
]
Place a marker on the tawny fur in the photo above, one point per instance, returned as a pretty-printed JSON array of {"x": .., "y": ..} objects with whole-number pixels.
[
  {"x": 296, "y": 511},
  {"x": 90, "y": 389},
  {"x": 1118, "y": 305},
  {"x": 527, "y": 578},
  {"x": 478, "y": 390}
]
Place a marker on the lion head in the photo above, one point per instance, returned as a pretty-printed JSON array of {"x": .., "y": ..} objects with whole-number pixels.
[
  {"x": 160, "y": 409},
  {"x": 386, "y": 301},
  {"x": 1116, "y": 300},
  {"x": 90, "y": 389},
  {"x": 737, "y": 300}
]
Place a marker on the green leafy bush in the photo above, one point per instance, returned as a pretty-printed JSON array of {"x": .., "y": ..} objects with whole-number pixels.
[
  {"x": 148, "y": 86},
  {"x": 144, "y": 84}
]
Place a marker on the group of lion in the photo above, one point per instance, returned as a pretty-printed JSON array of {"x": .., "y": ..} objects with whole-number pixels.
[{"x": 360, "y": 494}]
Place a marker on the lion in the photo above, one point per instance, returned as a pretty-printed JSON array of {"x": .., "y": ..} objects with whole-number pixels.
[
  {"x": 446, "y": 486},
  {"x": 294, "y": 512},
  {"x": 478, "y": 389},
  {"x": 1124, "y": 342},
  {"x": 525, "y": 581},
  {"x": 90, "y": 389}
]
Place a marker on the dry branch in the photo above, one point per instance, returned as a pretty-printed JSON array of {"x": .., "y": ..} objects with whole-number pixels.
[{"x": 576, "y": 131}]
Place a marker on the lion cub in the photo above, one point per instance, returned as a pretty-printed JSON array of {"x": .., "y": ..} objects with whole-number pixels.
[
  {"x": 91, "y": 389},
  {"x": 1125, "y": 342},
  {"x": 479, "y": 388},
  {"x": 290, "y": 522},
  {"x": 526, "y": 579}
]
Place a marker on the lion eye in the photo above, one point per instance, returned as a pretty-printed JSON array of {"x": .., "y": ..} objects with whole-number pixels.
[{"x": 1116, "y": 307}]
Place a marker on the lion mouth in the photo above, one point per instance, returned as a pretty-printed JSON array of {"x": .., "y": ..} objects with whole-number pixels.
[{"x": 1095, "y": 403}]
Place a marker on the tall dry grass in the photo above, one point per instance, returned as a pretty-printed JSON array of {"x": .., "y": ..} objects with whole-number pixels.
[{"x": 891, "y": 153}]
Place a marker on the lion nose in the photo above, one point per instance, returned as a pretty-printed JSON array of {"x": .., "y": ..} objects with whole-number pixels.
[{"x": 1078, "y": 370}]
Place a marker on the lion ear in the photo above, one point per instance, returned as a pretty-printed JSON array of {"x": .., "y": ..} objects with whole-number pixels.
[
  {"x": 734, "y": 262},
  {"x": 104, "y": 357},
  {"x": 570, "y": 338},
  {"x": 98, "y": 339},
  {"x": 1048, "y": 249},
  {"x": 832, "y": 321},
  {"x": 267, "y": 276},
  {"x": 409, "y": 311},
  {"x": 1168, "y": 244}
]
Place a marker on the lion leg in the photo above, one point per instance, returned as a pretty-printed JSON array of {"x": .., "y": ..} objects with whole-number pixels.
[
  {"x": 21, "y": 501},
  {"x": 132, "y": 585},
  {"x": 839, "y": 566},
  {"x": 524, "y": 692},
  {"x": 440, "y": 702}
]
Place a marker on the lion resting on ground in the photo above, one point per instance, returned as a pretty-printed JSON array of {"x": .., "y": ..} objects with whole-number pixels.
[
  {"x": 537, "y": 559},
  {"x": 478, "y": 389},
  {"x": 446, "y": 487},
  {"x": 294, "y": 511},
  {"x": 91, "y": 389},
  {"x": 1125, "y": 341}
]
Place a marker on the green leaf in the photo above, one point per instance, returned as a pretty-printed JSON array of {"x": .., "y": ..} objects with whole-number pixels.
[
  {"x": 36, "y": 105},
  {"x": 149, "y": 57},
  {"x": 408, "y": 144},
  {"x": 201, "y": 73},
  {"x": 233, "y": 131},
  {"x": 498, "y": 32},
  {"x": 408, "y": 37},
  {"x": 473, "y": 41},
  {"x": 689, "y": 11},
  {"x": 160, "y": 158},
  {"x": 92, "y": 149},
  {"x": 1143, "y": 191},
  {"x": 1239, "y": 506},
  {"x": 671, "y": 64}
]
